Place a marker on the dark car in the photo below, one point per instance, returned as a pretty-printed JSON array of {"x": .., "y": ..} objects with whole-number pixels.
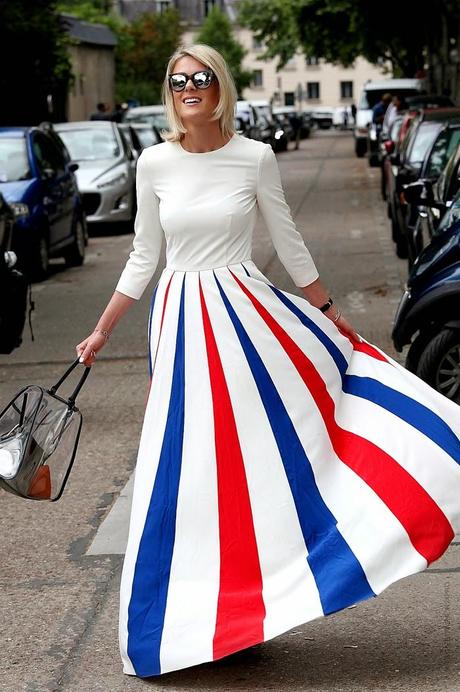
[
  {"x": 13, "y": 285},
  {"x": 37, "y": 180},
  {"x": 431, "y": 196},
  {"x": 428, "y": 316},
  {"x": 407, "y": 167},
  {"x": 389, "y": 147}
]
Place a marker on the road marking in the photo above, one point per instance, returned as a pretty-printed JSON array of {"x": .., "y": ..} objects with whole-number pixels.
[
  {"x": 355, "y": 300},
  {"x": 112, "y": 535}
]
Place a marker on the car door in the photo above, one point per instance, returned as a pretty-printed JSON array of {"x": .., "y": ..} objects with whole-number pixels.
[{"x": 58, "y": 188}]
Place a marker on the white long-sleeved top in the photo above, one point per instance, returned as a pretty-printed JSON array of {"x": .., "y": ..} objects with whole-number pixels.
[{"x": 206, "y": 206}]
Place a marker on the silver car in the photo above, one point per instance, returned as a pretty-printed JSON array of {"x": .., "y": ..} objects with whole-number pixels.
[{"x": 106, "y": 174}]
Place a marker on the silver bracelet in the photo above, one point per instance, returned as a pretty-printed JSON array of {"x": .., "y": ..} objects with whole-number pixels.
[
  {"x": 104, "y": 332},
  {"x": 337, "y": 317}
]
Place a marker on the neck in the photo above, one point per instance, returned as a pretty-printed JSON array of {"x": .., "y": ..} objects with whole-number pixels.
[{"x": 202, "y": 138}]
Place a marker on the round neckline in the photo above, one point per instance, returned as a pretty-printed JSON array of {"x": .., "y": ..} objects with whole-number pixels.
[{"x": 206, "y": 153}]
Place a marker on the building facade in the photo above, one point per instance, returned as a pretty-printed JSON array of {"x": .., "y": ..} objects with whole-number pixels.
[{"x": 305, "y": 82}]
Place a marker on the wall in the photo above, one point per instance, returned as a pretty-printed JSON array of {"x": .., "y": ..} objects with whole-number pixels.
[{"x": 94, "y": 71}]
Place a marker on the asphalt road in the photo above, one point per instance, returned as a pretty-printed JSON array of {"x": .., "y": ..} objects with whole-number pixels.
[{"x": 60, "y": 567}]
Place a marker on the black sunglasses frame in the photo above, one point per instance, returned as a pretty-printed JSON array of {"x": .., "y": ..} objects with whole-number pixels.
[{"x": 192, "y": 77}]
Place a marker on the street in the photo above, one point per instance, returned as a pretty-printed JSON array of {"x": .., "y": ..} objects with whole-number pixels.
[{"x": 61, "y": 562}]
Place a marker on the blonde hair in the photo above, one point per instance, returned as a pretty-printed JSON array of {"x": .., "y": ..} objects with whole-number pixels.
[{"x": 225, "y": 109}]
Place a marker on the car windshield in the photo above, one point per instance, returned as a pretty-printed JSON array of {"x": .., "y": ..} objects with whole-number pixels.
[
  {"x": 91, "y": 144},
  {"x": 370, "y": 98},
  {"x": 146, "y": 137},
  {"x": 451, "y": 216},
  {"x": 157, "y": 119},
  {"x": 14, "y": 164},
  {"x": 422, "y": 141},
  {"x": 446, "y": 144}
]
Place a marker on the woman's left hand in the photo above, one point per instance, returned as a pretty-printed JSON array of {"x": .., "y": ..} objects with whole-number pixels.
[{"x": 346, "y": 329}]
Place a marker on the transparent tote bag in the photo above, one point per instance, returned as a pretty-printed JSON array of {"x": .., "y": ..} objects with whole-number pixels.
[{"x": 39, "y": 433}]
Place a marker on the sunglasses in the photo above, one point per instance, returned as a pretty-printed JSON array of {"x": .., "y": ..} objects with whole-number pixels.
[{"x": 201, "y": 80}]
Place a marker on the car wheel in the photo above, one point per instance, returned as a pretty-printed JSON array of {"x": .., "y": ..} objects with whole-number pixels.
[
  {"x": 360, "y": 148},
  {"x": 75, "y": 254},
  {"x": 439, "y": 363},
  {"x": 37, "y": 262}
]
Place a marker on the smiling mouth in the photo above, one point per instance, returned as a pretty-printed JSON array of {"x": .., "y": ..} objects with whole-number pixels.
[{"x": 191, "y": 100}]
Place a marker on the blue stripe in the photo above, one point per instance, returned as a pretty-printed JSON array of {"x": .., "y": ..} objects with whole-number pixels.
[
  {"x": 147, "y": 606},
  {"x": 149, "y": 329},
  {"x": 404, "y": 407},
  {"x": 340, "y": 579},
  {"x": 411, "y": 411}
]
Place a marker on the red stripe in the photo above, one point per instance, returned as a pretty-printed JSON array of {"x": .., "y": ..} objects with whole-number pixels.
[
  {"x": 427, "y": 526},
  {"x": 366, "y": 348},
  {"x": 240, "y": 606}
]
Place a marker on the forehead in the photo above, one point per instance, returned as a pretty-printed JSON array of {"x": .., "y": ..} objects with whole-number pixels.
[{"x": 188, "y": 64}]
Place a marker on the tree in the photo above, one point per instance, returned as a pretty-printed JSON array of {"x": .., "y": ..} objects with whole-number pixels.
[
  {"x": 143, "y": 50},
  {"x": 217, "y": 32},
  {"x": 35, "y": 68},
  {"x": 339, "y": 31}
]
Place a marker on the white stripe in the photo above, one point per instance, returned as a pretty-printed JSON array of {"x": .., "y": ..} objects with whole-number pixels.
[
  {"x": 150, "y": 444},
  {"x": 194, "y": 580},
  {"x": 289, "y": 590},
  {"x": 155, "y": 318},
  {"x": 394, "y": 375},
  {"x": 371, "y": 530}
]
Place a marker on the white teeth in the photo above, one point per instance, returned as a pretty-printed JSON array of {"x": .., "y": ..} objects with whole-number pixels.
[{"x": 192, "y": 100}]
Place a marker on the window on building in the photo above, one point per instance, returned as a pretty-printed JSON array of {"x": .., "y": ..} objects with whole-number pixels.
[
  {"x": 289, "y": 98},
  {"x": 257, "y": 78},
  {"x": 346, "y": 90},
  {"x": 208, "y": 4},
  {"x": 313, "y": 90},
  {"x": 291, "y": 63},
  {"x": 163, "y": 5},
  {"x": 311, "y": 61},
  {"x": 256, "y": 43}
]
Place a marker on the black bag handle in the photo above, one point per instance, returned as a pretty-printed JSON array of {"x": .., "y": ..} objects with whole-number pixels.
[{"x": 80, "y": 384}]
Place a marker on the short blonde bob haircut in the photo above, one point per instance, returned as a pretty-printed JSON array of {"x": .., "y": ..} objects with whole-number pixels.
[{"x": 225, "y": 109}]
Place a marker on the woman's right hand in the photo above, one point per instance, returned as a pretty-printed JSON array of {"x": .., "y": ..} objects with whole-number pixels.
[{"x": 89, "y": 347}]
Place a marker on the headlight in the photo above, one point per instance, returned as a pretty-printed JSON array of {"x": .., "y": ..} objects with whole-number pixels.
[
  {"x": 20, "y": 210},
  {"x": 110, "y": 182}
]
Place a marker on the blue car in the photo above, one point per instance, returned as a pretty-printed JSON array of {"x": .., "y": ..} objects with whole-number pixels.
[{"x": 37, "y": 180}]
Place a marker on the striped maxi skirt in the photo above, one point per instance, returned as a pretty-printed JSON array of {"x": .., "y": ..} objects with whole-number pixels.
[{"x": 283, "y": 473}]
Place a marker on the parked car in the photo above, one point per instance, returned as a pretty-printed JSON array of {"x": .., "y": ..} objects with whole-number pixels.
[
  {"x": 284, "y": 132},
  {"x": 152, "y": 115},
  {"x": 371, "y": 94},
  {"x": 106, "y": 171},
  {"x": 431, "y": 196},
  {"x": 408, "y": 166},
  {"x": 388, "y": 147},
  {"x": 13, "y": 285},
  {"x": 290, "y": 112},
  {"x": 37, "y": 179},
  {"x": 446, "y": 142},
  {"x": 248, "y": 120},
  {"x": 323, "y": 117},
  {"x": 428, "y": 316}
]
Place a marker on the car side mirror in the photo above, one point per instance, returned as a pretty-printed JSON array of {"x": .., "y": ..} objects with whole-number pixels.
[
  {"x": 414, "y": 192},
  {"x": 73, "y": 167},
  {"x": 48, "y": 173}
]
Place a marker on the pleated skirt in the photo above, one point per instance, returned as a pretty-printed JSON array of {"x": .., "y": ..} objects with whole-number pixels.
[{"x": 284, "y": 472}]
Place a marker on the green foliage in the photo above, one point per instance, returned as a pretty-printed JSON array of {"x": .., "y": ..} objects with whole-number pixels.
[
  {"x": 217, "y": 32},
  {"x": 143, "y": 50},
  {"x": 33, "y": 55},
  {"x": 341, "y": 30}
]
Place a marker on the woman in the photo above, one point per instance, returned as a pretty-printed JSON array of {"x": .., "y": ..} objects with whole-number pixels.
[{"x": 287, "y": 469}]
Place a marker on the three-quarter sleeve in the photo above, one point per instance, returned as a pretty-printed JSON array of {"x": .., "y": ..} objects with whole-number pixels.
[
  {"x": 286, "y": 239},
  {"x": 148, "y": 235}
]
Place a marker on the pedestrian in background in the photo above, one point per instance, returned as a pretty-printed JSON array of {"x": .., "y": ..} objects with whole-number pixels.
[
  {"x": 379, "y": 110},
  {"x": 102, "y": 113},
  {"x": 287, "y": 469},
  {"x": 296, "y": 122}
]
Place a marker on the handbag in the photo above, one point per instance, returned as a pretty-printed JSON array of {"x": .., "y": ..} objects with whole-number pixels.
[{"x": 39, "y": 434}]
